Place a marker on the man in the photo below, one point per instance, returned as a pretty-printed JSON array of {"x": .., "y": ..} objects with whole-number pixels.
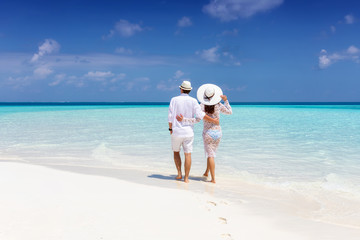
[{"x": 183, "y": 134}]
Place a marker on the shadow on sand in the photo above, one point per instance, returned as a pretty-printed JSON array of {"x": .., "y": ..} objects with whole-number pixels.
[{"x": 172, "y": 177}]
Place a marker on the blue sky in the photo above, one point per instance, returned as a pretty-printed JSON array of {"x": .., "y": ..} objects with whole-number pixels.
[{"x": 255, "y": 50}]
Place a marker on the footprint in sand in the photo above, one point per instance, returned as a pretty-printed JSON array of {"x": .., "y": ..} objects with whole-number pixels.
[
  {"x": 210, "y": 205},
  {"x": 223, "y": 220},
  {"x": 213, "y": 203},
  {"x": 226, "y": 236}
]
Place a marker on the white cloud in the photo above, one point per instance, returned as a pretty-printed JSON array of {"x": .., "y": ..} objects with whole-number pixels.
[
  {"x": 49, "y": 46},
  {"x": 58, "y": 79},
  {"x": 326, "y": 59},
  {"x": 228, "y": 10},
  {"x": 42, "y": 72},
  {"x": 353, "y": 50},
  {"x": 210, "y": 55},
  {"x": 215, "y": 55},
  {"x": 349, "y": 19},
  {"x": 99, "y": 75},
  {"x": 184, "y": 22},
  {"x": 125, "y": 29},
  {"x": 178, "y": 74}
]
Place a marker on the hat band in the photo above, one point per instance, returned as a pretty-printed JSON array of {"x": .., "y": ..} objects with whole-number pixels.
[
  {"x": 185, "y": 88},
  {"x": 210, "y": 97}
]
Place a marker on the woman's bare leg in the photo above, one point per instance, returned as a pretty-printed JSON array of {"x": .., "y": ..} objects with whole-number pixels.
[
  {"x": 211, "y": 162},
  {"x": 207, "y": 168}
]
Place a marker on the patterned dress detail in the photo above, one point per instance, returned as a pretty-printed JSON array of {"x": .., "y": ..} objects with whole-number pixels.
[{"x": 212, "y": 133}]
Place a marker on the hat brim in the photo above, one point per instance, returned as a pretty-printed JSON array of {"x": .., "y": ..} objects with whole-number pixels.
[
  {"x": 214, "y": 100},
  {"x": 185, "y": 88}
]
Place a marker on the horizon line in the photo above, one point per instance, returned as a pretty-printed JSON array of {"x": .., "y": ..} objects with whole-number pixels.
[{"x": 79, "y": 103}]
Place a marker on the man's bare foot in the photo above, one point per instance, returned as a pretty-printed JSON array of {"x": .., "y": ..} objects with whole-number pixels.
[
  {"x": 186, "y": 179},
  {"x": 178, "y": 177}
]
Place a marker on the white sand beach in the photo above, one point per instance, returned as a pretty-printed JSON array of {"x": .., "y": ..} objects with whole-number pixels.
[{"x": 39, "y": 202}]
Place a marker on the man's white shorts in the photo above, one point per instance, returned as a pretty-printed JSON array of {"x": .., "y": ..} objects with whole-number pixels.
[{"x": 185, "y": 142}]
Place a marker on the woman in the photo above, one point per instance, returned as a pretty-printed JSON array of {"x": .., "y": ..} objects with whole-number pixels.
[{"x": 210, "y": 96}]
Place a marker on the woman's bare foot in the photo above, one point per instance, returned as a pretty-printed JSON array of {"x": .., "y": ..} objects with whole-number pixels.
[
  {"x": 206, "y": 174},
  {"x": 213, "y": 181},
  {"x": 186, "y": 180},
  {"x": 178, "y": 177}
]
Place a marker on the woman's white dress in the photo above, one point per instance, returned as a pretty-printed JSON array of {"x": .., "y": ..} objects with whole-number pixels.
[{"x": 211, "y": 132}]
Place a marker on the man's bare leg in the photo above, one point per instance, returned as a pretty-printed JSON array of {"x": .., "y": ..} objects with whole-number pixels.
[
  {"x": 187, "y": 166},
  {"x": 177, "y": 160}
]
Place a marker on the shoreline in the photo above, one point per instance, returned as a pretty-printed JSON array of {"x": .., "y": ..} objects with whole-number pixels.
[{"x": 201, "y": 203}]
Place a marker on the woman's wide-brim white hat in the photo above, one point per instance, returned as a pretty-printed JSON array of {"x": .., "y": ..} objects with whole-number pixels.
[{"x": 209, "y": 88}]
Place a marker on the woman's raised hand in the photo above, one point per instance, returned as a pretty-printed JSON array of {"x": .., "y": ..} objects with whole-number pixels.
[{"x": 223, "y": 97}]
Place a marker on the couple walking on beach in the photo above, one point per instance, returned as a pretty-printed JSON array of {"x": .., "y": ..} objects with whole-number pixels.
[{"x": 184, "y": 112}]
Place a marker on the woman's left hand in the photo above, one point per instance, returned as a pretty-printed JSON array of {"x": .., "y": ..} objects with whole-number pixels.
[
  {"x": 223, "y": 97},
  {"x": 179, "y": 117}
]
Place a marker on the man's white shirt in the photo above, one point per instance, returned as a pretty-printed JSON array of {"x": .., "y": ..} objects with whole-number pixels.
[{"x": 189, "y": 108}]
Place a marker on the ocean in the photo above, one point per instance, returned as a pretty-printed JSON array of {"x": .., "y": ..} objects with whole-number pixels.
[{"x": 310, "y": 150}]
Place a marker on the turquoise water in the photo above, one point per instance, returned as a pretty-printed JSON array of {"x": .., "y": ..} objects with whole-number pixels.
[
  {"x": 288, "y": 142},
  {"x": 295, "y": 142},
  {"x": 308, "y": 149}
]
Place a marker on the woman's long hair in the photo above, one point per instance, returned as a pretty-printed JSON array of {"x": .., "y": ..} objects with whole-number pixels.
[{"x": 209, "y": 109}]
